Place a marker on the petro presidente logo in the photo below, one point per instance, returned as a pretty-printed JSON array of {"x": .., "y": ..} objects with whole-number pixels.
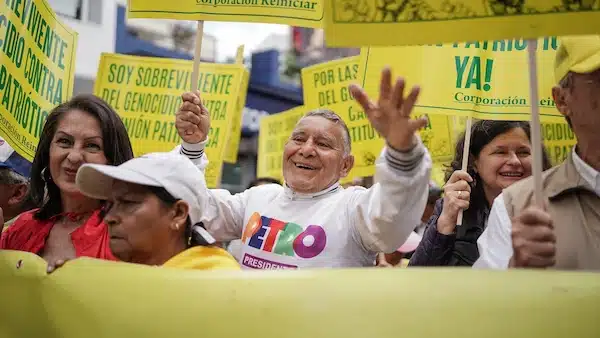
[{"x": 281, "y": 238}]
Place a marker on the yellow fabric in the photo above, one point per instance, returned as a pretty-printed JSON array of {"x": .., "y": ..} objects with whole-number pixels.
[
  {"x": 203, "y": 258},
  {"x": 95, "y": 298},
  {"x": 579, "y": 54}
]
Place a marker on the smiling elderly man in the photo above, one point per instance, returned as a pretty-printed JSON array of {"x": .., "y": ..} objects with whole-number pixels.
[{"x": 312, "y": 221}]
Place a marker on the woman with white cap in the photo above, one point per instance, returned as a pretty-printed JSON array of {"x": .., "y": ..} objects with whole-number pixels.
[{"x": 154, "y": 212}]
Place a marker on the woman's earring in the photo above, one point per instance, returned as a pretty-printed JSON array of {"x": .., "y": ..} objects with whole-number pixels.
[{"x": 177, "y": 226}]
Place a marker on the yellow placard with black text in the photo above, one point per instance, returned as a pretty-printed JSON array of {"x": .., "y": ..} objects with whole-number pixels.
[
  {"x": 274, "y": 132},
  {"x": 351, "y": 23},
  {"x": 440, "y": 136},
  {"x": 558, "y": 140},
  {"x": 37, "y": 68},
  {"x": 325, "y": 86},
  {"x": 300, "y": 13},
  {"x": 146, "y": 92}
]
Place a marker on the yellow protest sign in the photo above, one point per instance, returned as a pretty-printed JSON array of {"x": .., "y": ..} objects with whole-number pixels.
[
  {"x": 558, "y": 139},
  {"x": 274, "y": 132},
  {"x": 325, "y": 85},
  {"x": 440, "y": 138},
  {"x": 437, "y": 136},
  {"x": 300, "y": 13},
  {"x": 95, "y": 298},
  {"x": 486, "y": 80},
  {"x": 37, "y": 54},
  {"x": 411, "y": 22},
  {"x": 146, "y": 92},
  {"x": 235, "y": 134}
]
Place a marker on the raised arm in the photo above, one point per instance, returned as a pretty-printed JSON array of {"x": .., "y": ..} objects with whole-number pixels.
[
  {"x": 389, "y": 211},
  {"x": 223, "y": 215},
  {"x": 385, "y": 214},
  {"x": 193, "y": 123}
]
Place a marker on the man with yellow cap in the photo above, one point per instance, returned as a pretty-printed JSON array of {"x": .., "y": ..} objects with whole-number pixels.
[{"x": 565, "y": 234}]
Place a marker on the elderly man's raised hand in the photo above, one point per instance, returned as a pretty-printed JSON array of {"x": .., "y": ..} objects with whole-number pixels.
[
  {"x": 192, "y": 119},
  {"x": 390, "y": 116}
]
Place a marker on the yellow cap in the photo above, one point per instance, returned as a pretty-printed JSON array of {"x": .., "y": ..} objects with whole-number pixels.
[{"x": 579, "y": 54}]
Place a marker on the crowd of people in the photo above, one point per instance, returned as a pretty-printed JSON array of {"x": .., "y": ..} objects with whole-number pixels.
[{"x": 87, "y": 195}]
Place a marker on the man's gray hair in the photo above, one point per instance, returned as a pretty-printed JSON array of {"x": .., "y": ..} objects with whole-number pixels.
[
  {"x": 335, "y": 118},
  {"x": 8, "y": 176}
]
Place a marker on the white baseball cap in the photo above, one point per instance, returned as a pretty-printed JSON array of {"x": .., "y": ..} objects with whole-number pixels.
[{"x": 171, "y": 171}]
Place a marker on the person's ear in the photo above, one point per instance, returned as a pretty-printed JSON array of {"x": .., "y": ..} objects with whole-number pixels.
[
  {"x": 180, "y": 211},
  {"x": 475, "y": 165},
  {"x": 347, "y": 165},
  {"x": 18, "y": 194},
  {"x": 559, "y": 95}
]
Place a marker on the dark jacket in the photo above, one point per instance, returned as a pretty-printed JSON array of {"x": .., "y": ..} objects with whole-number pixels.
[{"x": 458, "y": 249}]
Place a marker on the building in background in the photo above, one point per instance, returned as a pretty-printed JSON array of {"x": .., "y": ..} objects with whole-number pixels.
[
  {"x": 95, "y": 21},
  {"x": 309, "y": 47}
]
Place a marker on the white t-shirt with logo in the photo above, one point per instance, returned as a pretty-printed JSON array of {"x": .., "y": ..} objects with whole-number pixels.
[{"x": 282, "y": 229}]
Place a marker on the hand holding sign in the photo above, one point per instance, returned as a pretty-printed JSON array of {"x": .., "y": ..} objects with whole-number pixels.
[
  {"x": 391, "y": 115},
  {"x": 193, "y": 119},
  {"x": 533, "y": 239},
  {"x": 457, "y": 196}
]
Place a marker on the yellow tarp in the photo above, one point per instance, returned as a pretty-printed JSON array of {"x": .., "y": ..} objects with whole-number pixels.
[{"x": 100, "y": 299}]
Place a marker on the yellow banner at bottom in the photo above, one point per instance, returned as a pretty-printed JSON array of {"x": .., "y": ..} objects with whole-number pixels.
[{"x": 93, "y": 299}]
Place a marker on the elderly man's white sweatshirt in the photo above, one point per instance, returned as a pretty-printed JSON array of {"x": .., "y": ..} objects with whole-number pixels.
[{"x": 337, "y": 227}]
